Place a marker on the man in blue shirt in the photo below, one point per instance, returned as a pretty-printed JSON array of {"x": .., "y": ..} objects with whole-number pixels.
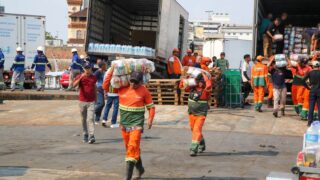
[
  {"x": 2, "y": 85},
  {"x": 40, "y": 62},
  {"x": 18, "y": 70},
  {"x": 100, "y": 94},
  {"x": 75, "y": 67}
]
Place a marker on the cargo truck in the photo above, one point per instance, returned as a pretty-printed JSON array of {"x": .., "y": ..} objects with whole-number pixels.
[
  {"x": 158, "y": 24},
  {"x": 302, "y": 13},
  {"x": 26, "y": 31}
]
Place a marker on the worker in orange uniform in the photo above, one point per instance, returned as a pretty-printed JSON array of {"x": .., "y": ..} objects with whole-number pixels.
[
  {"x": 174, "y": 65},
  {"x": 205, "y": 61},
  {"x": 259, "y": 80},
  {"x": 298, "y": 88},
  {"x": 198, "y": 109},
  {"x": 189, "y": 59},
  {"x": 133, "y": 101}
]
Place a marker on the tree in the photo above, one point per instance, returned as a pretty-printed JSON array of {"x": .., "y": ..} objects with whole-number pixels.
[{"x": 49, "y": 36}]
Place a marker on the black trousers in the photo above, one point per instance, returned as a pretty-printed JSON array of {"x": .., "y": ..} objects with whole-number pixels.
[{"x": 246, "y": 89}]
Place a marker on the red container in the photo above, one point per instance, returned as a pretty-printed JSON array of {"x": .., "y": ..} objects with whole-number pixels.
[{"x": 309, "y": 178}]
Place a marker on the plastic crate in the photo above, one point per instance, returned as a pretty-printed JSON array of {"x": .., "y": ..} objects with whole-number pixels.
[{"x": 232, "y": 89}]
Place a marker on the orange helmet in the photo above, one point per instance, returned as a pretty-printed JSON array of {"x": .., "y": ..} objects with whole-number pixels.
[{"x": 260, "y": 58}]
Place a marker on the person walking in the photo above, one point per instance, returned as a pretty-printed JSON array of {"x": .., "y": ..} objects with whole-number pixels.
[
  {"x": 282, "y": 26},
  {"x": 2, "y": 59},
  {"x": 279, "y": 87},
  {"x": 99, "y": 105},
  {"x": 189, "y": 59},
  {"x": 112, "y": 99},
  {"x": 75, "y": 67},
  {"x": 259, "y": 81},
  {"x": 198, "y": 109},
  {"x": 18, "y": 70},
  {"x": 87, "y": 97},
  {"x": 133, "y": 102},
  {"x": 222, "y": 63},
  {"x": 246, "y": 78},
  {"x": 314, "y": 79},
  {"x": 40, "y": 62},
  {"x": 174, "y": 65}
]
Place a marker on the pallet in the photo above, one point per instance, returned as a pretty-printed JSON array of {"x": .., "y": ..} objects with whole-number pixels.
[{"x": 164, "y": 91}]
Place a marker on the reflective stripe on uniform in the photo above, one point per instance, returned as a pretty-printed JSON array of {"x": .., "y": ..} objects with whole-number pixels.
[
  {"x": 201, "y": 102},
  {"x": 40, "y": 63},
  {"x": 132, "y": 109},
  {"x": 18, "y": 63},
  {"x": 151, "y": 105}
]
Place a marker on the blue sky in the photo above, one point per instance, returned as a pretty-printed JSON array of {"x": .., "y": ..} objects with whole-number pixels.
[{"x": 241, "y": 11}]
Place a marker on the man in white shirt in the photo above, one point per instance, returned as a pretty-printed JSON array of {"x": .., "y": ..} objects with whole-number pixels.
[{"x": 246, "y": 74}]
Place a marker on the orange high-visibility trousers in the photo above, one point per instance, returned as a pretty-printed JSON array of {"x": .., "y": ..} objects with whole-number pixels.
[
  {"x": 300, "y": 94},
  {"x": 132, "y": 143},
  {"x": 270, "y": 91},
  {"x": 294, "y": 93},
  {"x": 258, "y": 93},
  {"x": 196, "y": 124}
]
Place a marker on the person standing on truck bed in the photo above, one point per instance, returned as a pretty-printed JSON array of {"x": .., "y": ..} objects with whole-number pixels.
[
  {"x": 259, "y": 80},
  {"x": 40, "y": 62},
  {"x": 268, "y": 37},
  {"x": 265, "y": 23},
  {"x": 189, "y": 59},
  {"x": 222, "y": 63},
  {"x": 174, "y": 65},
  {"x": 18, "y": 70},
  {"x": 314, "y": 78},
  {"x": 134, "y": 99},
  {"x": 282, "y": 27},
  {"x": 315, "y": 39},
  {"x": 2, "y": 85},
  {"x": 75, "y": 67}
]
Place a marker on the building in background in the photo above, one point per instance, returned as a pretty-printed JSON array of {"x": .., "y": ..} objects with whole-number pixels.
[
  {"x": 77, "y": 24},
  {"x": 54, "y": 43},
  {"x": 233, "y": 31}
]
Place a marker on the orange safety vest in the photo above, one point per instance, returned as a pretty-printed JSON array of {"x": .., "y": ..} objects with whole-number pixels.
[
  {"x": 188, "y": 60},
  {"x": 259, "y": 74},
  {"x": 176, "y": 66}
]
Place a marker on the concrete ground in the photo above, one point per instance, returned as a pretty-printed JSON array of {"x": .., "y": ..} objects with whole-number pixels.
[{"x": 41, "y": 140}]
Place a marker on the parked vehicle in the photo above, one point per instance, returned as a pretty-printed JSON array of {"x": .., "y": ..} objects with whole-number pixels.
[
  {"x": 157, "y": 24},
  {"x": 64, "y": 80},
  {"x": 26, "y": 31}
]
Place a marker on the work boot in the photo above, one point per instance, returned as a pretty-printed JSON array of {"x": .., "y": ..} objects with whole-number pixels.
[
  {"x": 270, "y": 104},
  {"x": 129, "y": 170},
  {"x": 296, "y": 109},
  {"x": 193, "y": 153},
  {"x": 139, "y": 170},
  {"x": 92, "y": 139},
  {"x": 202, "y": 146},
  {"x": 39, "y": 89},
  {"x": 259, "y": 109},
  {"x": 282, "y": 112},
  {"x": 194, "y": 149},
  {"x": 275, "y": 114},
  {"x": 85, "y": 138}
]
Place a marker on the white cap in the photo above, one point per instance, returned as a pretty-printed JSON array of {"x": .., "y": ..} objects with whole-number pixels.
[
  {"x": 19, "y": 49},
  {"x": 82, "y": 56},
  {"x": 74, "y": 50},
  {"x": 40, "y": 48},
  {"x": 315, "y": 63}
]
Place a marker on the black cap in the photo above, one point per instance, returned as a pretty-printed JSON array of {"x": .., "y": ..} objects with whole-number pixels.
[
  {"x": 136, "y": 77},
  {"x": 86, "y": 65},
  {"x": 222, "y": 53}
]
